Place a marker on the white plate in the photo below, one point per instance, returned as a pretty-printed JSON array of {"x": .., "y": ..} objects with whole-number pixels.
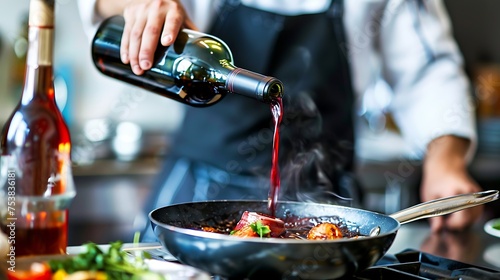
[
  {"x": 176, "y": 271},
  {"x": 492, "y": 255},
  {"x": 170, "y": 269},
  {"x": 488, "y": 227}
]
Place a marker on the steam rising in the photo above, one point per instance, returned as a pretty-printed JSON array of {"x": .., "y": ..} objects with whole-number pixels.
[{"x": 311, "y": 168}]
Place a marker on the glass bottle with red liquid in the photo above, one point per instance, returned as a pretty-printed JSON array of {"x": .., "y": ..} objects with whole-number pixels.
[{"x": 36, "y": 182}]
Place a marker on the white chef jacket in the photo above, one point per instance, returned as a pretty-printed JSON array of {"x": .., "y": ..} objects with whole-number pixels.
[{"x": 407, "y": 43}]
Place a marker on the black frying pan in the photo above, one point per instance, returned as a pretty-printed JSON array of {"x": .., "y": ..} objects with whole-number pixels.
[{"x": 177, "y": 228}]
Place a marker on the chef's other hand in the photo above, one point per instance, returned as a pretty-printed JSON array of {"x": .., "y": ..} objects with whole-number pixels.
[
  {"x": 445, "y": 174},
  {"x": 146, "y": 22}
]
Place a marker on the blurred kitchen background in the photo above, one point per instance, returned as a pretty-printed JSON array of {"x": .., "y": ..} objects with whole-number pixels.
[{"x": 120, "y": 133}]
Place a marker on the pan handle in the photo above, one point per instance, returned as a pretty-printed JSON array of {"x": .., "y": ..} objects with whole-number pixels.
[{"x": 443, "y": 206}]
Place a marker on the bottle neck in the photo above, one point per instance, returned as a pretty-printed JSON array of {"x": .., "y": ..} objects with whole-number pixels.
[
  {"x": 39, "y": 58},
  {"x": 254, "y": 85}
]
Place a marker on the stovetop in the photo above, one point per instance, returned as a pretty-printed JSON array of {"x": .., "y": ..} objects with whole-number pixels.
[{"x": 412, "y": 264}]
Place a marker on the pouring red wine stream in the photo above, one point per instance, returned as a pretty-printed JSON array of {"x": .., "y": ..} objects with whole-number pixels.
[{"x": 277, "y": 111}]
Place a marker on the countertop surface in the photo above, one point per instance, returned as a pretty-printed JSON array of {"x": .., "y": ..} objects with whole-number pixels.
[{"x": 473, "y": 246}]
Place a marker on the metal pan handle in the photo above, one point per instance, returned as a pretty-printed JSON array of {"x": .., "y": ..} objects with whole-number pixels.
[{"x": 443, "y": 206}]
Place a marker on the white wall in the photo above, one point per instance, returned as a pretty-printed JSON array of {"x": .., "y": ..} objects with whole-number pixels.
[{"x": 92, "y": 95}]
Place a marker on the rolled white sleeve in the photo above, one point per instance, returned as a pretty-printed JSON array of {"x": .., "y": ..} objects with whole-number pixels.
[
  {"x": 90, "y": 19},
  {"x": 201, "y": 13},
  {"x": 424, "y": 67}
]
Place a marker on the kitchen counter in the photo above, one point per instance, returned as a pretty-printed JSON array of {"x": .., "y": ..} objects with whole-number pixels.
[{"x": 474, "y": 246}]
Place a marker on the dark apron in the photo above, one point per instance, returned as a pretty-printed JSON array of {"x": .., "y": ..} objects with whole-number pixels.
[{"x": 224, "y": 151}]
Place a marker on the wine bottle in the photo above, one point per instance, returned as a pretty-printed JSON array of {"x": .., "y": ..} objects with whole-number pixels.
[
  {"x": 36, "y": 182},
  {"x": 197, "y": 69},
  {"x": 18, "y": 64}
]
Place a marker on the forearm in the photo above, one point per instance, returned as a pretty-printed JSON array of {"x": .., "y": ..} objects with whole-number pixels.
[
  {"x": 107, "y": 8},
  {"x": 445, "y": 174},
  {"x": 446, "y": 153}
]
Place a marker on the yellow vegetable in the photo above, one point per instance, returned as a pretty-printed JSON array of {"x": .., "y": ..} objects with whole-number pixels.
[
  {"x": 59, "y": 275},
  {"x": 79, "y": 275}
]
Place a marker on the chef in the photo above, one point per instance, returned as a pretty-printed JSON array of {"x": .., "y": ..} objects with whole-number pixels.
[{"x": 327, "y": 53}]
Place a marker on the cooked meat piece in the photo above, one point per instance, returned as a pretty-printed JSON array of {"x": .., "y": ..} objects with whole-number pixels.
[
  {"x": 276, "y": 225},
  {"x": 210, "y": 229},
  {"x": 245, "y": 231},
  {"x": 324, "y": 231}
]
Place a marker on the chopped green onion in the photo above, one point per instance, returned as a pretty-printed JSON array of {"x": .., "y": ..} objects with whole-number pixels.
[{"x": 260, "y": 229}]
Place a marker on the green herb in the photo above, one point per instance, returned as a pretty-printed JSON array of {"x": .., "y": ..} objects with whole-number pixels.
[
  {"x": 260, "y": 229},
  {"x": 496, "y": 225},
  {"x": 115, "y": 263}
]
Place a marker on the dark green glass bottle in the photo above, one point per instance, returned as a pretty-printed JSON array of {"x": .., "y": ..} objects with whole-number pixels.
[{"x": 196, "y": 70}]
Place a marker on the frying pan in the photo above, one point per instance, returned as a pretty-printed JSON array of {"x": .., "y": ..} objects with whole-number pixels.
[{"x": 177, "y": 228}]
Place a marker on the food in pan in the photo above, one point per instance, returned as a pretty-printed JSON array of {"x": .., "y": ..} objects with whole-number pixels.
[
  {"x": 324, "y": 231},
  {"x": 253, "y": 224}
]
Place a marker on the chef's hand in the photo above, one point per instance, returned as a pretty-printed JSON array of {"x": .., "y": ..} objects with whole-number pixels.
[
  {"x": 146, "y": 22},
  {"x": 445, "y": 174}
]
